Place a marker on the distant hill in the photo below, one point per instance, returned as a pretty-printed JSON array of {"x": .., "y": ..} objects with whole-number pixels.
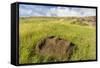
[{"x": 88, "y": 20}]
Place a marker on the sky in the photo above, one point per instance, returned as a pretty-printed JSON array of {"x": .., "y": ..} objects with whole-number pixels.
[{"x": 54, "y": 11}]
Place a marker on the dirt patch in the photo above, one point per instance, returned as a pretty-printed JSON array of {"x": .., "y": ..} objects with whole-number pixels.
[{"x": 55, "y": 47}]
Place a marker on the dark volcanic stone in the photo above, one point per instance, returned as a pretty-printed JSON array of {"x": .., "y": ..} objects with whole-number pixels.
[{"x": 55, "y": 47}]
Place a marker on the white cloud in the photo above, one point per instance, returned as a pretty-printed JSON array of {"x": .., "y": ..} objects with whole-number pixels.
[
  {"x": 33, "y": 10},
  {"x": 25, "y": 12}
]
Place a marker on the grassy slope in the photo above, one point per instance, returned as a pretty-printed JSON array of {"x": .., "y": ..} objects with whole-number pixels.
[{"x": 31, "y": 31}]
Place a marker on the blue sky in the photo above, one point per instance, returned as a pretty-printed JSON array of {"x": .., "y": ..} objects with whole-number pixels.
[{"x": 40, "y": 10}]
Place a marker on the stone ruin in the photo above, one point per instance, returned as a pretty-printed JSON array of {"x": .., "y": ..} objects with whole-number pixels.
[{"x": 55, "y": 47}]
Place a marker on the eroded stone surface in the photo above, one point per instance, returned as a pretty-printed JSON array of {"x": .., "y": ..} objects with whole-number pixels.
[{"x": 55, "y": 47}]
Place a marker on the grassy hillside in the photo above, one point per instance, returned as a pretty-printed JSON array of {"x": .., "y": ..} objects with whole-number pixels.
[{"x": 32, "y": 30}]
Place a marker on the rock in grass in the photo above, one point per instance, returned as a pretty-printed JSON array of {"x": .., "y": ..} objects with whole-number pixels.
[{"x": 55, "y": 47}]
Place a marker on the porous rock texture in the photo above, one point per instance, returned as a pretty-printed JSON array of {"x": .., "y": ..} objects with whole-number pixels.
[{"x": 55, "y": 47}]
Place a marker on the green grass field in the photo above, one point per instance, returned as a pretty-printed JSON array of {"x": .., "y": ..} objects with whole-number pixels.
[{"x": 32, "y": 30}]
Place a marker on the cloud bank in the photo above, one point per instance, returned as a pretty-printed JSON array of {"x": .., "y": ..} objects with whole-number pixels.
[{"x": 40, "y": 10}]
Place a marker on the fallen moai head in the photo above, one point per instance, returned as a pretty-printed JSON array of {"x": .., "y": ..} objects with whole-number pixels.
[{"x": 55, "y": 47}]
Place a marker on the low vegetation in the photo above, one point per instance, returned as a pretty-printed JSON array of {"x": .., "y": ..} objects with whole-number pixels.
[{"x": 33, "y": 29}]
